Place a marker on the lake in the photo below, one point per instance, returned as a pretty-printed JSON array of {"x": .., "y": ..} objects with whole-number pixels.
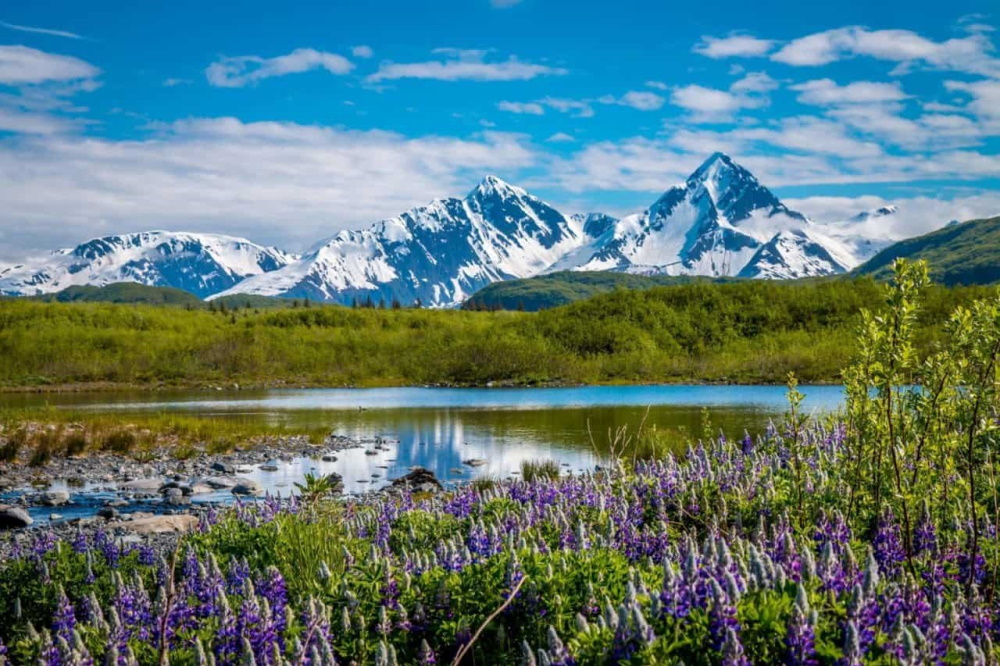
[{"x": 439, "y": 428}]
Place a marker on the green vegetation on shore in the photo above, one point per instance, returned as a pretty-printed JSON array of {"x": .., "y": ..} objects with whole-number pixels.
[
  {"x": 35, "y": 436},
  {"x": 748, "y": 332}
]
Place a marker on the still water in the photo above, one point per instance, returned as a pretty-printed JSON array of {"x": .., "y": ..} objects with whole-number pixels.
[{"x": 439, "y": 428}]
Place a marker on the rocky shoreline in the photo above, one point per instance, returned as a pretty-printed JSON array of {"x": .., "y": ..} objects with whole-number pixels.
[{"x": 147, "y": 501}]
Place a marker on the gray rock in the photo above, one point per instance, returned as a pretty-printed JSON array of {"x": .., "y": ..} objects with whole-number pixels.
[
  {"x": 219, "y": 483},
  {"x": 107, "y": 512},
  {"x": 143, "y": 485},
  {"x": 172, "y": 492},
  {"x": 247, "y": 487},
  {"x": 419, "y": 479},
  {"x": 474, "y": 462},
  {"x": 53, "y": 497},
  {"x": 223, "y": 467},
  {"x": 329, "y": 458},
  {"x": 12, "y": 518},
  {"x": 270, "y": 466}
]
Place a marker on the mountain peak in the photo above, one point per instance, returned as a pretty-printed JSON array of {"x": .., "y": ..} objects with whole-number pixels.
[
  {"x": 493, "y": 186},
  {"x": 720, "y": 170}
]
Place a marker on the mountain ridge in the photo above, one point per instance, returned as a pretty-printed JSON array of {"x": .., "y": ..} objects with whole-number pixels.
[{"x": 720, "y": 222}]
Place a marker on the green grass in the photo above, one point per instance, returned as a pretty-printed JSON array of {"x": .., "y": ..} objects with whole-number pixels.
[
  {"x": 40, "y": 434},
  {"x": 748, "y": 331},
  {"x": 536, "y": 470}
]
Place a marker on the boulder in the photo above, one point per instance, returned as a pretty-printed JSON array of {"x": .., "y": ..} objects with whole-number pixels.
[
  {"x": 223, "y": 467},
  {"x": 12, "y": 518},
  {"x": 53, "y": 497},
  {"x": 420, "y": 480},
  {"x": 143, "y": 485},
  {"x": 218, "y": 482},
  {"x": 159, "y": 524},
  {"x": 474, "y": 462},
  {"x": 270, "y": 466},
  {"x": 247, "y": 487}
]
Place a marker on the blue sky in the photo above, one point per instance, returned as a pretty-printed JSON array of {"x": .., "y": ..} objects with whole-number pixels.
[{"x": 287, "y": 123}]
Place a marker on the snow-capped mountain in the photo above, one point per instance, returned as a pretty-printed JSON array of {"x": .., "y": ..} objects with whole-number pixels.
[
  {"x": 720, "y": 222},
  {"x": 203, "y": 264},
  {"x": 439, "y": 254}
]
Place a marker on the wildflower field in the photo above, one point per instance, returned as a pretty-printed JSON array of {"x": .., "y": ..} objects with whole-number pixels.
[{"x": 870, "y": 537}]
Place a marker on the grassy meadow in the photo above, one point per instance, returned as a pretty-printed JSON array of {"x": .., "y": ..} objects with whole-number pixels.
[{"x": 744, "y": 332}]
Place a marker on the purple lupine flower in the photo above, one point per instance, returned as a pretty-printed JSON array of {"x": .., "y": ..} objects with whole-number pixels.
[
  {"x": 64, "y": 620},
  {"x": 801, "y": 639},
  {"x": 425, "y": 655}
]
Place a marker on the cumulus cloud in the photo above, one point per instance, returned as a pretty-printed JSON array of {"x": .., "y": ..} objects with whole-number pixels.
[
  {"x": 275, "y": 182},
  {"x": 464, "y": 64},
  {"x": 971, "y": 54},
  {"x": 714, "y": 105},
  {"x": 239, "y": 71},
  {"x": 560, "y": 137},
  {"x": 362, "y": 51},
  {"x": 735, "y": 45},
  {"x": 985, "y": 97},
  {"x": 20, "y": 65},
  {"x": 826, "y": 92}
]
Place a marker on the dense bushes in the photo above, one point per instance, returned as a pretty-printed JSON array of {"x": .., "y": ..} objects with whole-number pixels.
[{"x": 741, "y": 331}]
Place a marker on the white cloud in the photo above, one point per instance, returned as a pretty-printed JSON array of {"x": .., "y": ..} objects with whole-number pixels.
[
  {"x": 464, "y": 64},
  {"x": 971, "y": 54},
  {"x": 814, "y": 154},
  {"x": 173, "y": 82},
  {"x": 705, "y": 100},
  {"x": 708, "y": 105},
  {"x": 643, "y": 100},
  {"x": 239, "y": 71},
  {"x": 26, "y": 122},
  {"x": 826, "y": 92},
  {"x": 20, "y": 65},
  {"x": 985, "y": 97},
  {"x": 916, "y": 215},
  {"x": 754, "y": 82},
  {"x": 560, "y": 137},
  {"x": 40, "y": 31},
  {"x": 735, "y": 45},
  {"x": 362, "y": 51},
  {"x": 807, "y": 134},
  {"x": 275, "y": 182},
  {"x": 580, "y": 108},
  {"x": 657, "y": 85},
  {"x": 530, "y": 108}
]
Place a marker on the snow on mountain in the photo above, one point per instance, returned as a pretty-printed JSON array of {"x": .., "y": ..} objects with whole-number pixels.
[
  {"x": 867, "y": 233},
  {"x": 439, "y": 254},
  {"x": 720, "y": 222},
  {"x": 796, "y": 253},
  {"x": 715, "y": 223},
  {"x": 202, "y": 264}
]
